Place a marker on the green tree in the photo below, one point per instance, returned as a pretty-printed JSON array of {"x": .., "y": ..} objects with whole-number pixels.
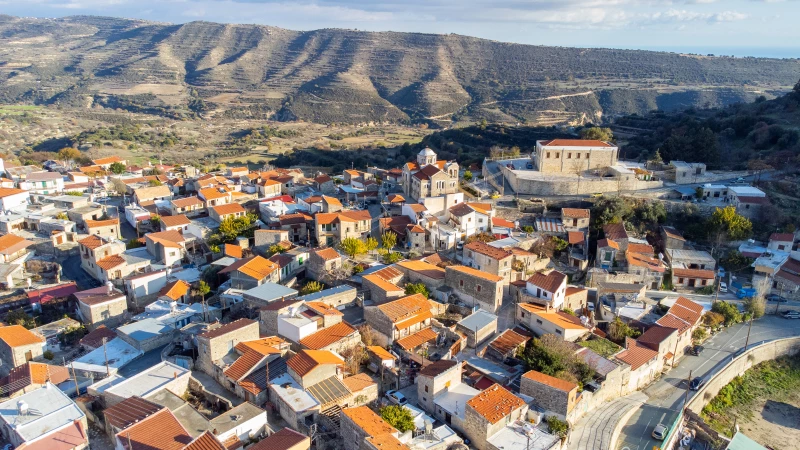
[
  {"x": 155, "y": 219},
  {"x": 275, "y": 248},
  {"x": 556, "y": 357},
  {"x": 600, "y": 134},
  {"x": 467, "y": 175},
  {"x": 728, "y": 311},
  {"x": 68, "y": 154},
  {"x": 117, "y": 168},
  {"x": 20, "y": 317},
  {"x": 154, "y": 183},
  {"x": 699, "y": 334},
  {"x": 371, "y": 243},
  {"x": 725, "y": 224},
  {"x": 611, "y": 210},
  {"x": 713, "y": 319},
  {"x": 353, "y": 247},
  {"x": 398, "y": 417},
  {"x": 557, "y": 426},
  {"x": 417, "y": 288},
  {"x": 528, "y": 229},
  {"x": 389, "y": 240},
  {"x": 203, "y": 289},
  {"x": 755, "y": 306},
  {"x": 619, "y": 330},
  {"x": 657, "y": 157},
  {"x": 311, "y": 287},
  {"x": 559, "y": 245},
  {"x": 392, "y": 257}
]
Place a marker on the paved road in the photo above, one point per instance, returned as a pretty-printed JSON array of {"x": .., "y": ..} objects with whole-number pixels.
[
  {"x": 71, "y": 270},
  {"x": 666, "y": 396}
]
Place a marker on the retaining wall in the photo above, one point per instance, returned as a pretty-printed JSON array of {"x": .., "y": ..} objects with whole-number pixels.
[{"x": 536, "y": 183}]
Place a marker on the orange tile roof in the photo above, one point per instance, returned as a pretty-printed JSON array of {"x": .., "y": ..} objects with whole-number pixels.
[
  {"x": 305, "y": 361},
  {"x": 285, "y": 439},
  {"x": 160, "y": 431},
  {"x": 413, "y": 320},
  {"x": 381, "y": 352},
  {"x": 607, "y": 243},
  {"x": 205, "y": 441},
  {"x": 89, "y": 169},
  {"x": 107, "y": 160},
  {"x": 494, "y": 403},
  {"x": 175, "y": 221},
  {"x": 476, "y": 273},
  {"x": 405, "y": 307},
  {"x": 555, "y": 317},
  {"x": 693, "y": 273},
  {"x": 417, "y": 208},
  {"x": 500, "y": 222},
  {"x": 233, "y": 443},
  {"x": 326, "y": 218},
  {"x": 110, "y": 262},
  {"x": 367, "y": 420},
  {"x": 561, "y": 385},
  {"x": 101, "y": 223},
  {"x": 575, "y": 237},
  {"x": 636, "y": 355},
  {"x": 424, "y": 268},
  {"x": 396, "y": 198},
  {"x": 213, "y": 193},
  {"x": 331, "y": 200},
  {"x": 550, "y": 282},
  {"x": 358, "y": 382},
  {"x": 258, "y": 267},
  {"x": 244, "y": 364},
  {"x": 353, "y": 216},
  {"x": 233, "y": 250},
  {"x": 576, "y": 213},
  {"x": 266, "y": 346},
  {"x": 645, "y": 260},
  {"x": 572, "y": 290},
  {"x": 415, "y": 340},
  {"x": 175, "y": 290},
  {"x": 169, "y": 238},
  {"x": 487, "y": 250},
  {"x": 230, "y": 208},
  {"x": 508, "y": 341},
  {"x": 483, "y": 208},
  {"x": 387, "y": 442},
  {"x": 323, "y": 309},
  {"x": 32, "y": 373},
  {"x": 644, "y": 249},
  {"x": 11, "y": 243},
  {"x": 575, "y": 143},
  {"x": 186, "y": 202},
  {"x": 328, "y": 336},
  {"x": 92, "y": 242},
  {"x": 381, "y": 283}
]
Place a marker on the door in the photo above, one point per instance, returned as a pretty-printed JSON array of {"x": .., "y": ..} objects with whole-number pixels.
[
  {"x": 28, "y": 355},
  {"x": 691, "y": 282},
  {"x": 59, "y": 240}
]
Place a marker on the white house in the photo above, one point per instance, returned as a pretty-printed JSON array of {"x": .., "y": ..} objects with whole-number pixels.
[
  {"x": 551, "y": 288},
  {"x": 11, "y": 198},
  {"x": 43, "y": 183}
]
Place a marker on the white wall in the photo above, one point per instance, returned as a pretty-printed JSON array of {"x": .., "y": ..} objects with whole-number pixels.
[
  {"x": 14, "y": 200},
  {"x": 293, "y": 332},
  {"x": 245, "y": 430}
]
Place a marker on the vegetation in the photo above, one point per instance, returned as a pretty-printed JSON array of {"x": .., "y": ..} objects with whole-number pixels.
[
  {"x": 48, "y": 355},
  {"x": 392, "y": 257},
  {"x": 771, "y": 380},
  {"x": 311, "y": 287},
  {"x": 556, "y": 357},
  {"x": 203, "y": 289},
  {"x": 389, "y": 240},
  {"x": 117, "y": 168},
  {"x": 398, "y": 417},
  {"x": 275, "y": 249},
  {"x": 755, "y": 306},
  {"x": 600, "y": 134},
  {"x": 353, "y": 247},
  {"x": 20, "y": 317},
  {"x": 699, "y": 334},
  {"x": 728, "y": 311},
  {"x": 601, "y": 346},
  {"x": 467, "y": 175},
  {"x": 557, "y": 426},
  {"x": 232, "y": 227},
  {"x": 713, "y": 319},
  {"x": 619, "y": 330},
  {"x": 417, "y": 288}
]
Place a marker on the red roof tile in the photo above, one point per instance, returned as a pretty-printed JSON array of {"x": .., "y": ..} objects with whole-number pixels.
[
  {"x": 550, "y": 282},
  {"x": 495, "y": 403},
  {"x": 160, "y": 431}
]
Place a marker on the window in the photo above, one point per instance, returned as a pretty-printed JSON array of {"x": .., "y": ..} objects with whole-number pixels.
[
  {"x": 680, "y": 280},
  {"x": 548, "y": 154},
  {"x": 538, "y": 321},
  {"x": 426, "y": 388},
  {"x": 558, "y": 331},
  {"x": 587, "y": 155},
  {"x": 578, "y": 156},
  {"x": 479, "y": 288},
  {"x": 480, "y": 220},
  {"x": 569, "y": 155},
  {"x": 523, "y": 314},
  {"x": 461, "y": 283},
  {"x": 557, "y": 154}
]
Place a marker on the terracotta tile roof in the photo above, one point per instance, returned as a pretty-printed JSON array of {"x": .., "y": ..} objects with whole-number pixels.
[
  {"x": 367, "y": 420},
  {"x": 693, "y": 273},
  {"x": 615, "y": 231},
  {"x": 10, "y": 244},
  {"x": 186, "y": 202},
  {"x": 254, "y": 266},
  {"x": 305, "y": 361},
  {"x": 495, "y": 403},
  {"x": 92, "y": 242},
  {"x": 460, "y": 210},
  {"x": 782, "y": 237},
  {"x": 266, "y": 346},
  {"x": 413, "y": 320},
  {"x": 169, "y": 238},
  {"x": 575, "y": 143},
  {"x": 381, "y": 283},
  {"x": 230, "y": 208},
  {"x": 558, "y": 318},
  {"x": 572, "y": 290},
  {"x": 483, "y": 208},
  {"x": 636, "y": 355},
  {"x": 437, "y": 368},
  {"x": 417, "y": 208},
  {"x": 326, "y": 218},
  {"x": 107, "y": 160},
  {"x": 550, "y": 282},
  {"x": 175, "y": 221},
  {"x": 322, "y": 179},
  {"x": 487, "y": 250},
  {"x": 294, "y": 218},
  {"x": 405, "y": 307},
  {"x": 328, "y": 336},
  {"x": 794, "y": 278},
  {"x": 323, "y": 308},
  {"x": 213, "y": 193},
  {"x": 575, "y": 213},
  {"x": 646, "y": 261},
  {"x": 358, "y": 382},
  {"x": 160, "y": 431},
  {"x": 205, "y": 441},
  {"x": 280, "y": 304},
  {"x": 233, "y": 251},
  {"x": 640, "y": 248},
  {"x": 553, "y": 382},
  {"x": 607, "y": 243},
  {"x": 396, "y": 198},
  {"x": 413, "y": 341},
  {"x": 244, "y": 364},
  {"x": 102, "y": 223},
  {"x": 412, "y": 228},
  {"x": 130, "y": 411},
  {"x": 331, "y": 200},
  {"x": 95, "y": 338},
  {"x": 424, "y": 268},
  {"x": 575, "y": 237},
  {"x": 328, "y": 254},
  {"x": 500, "y": 222},
  {"x": 654, "y": 336},
  {"x": 508, "y": 341},
  {"x": 387, "y": 442},
  {"x": 671, "y": 321},
  {"x": 233, "y": 443},
  {"x": 381, "y": 352},
  {"x": 672, "y": 233},
  {"x": 30, "y": 373},
  {"x": 110, "y": 262},
  {"x": 227, "y": 328},
  {"x": 87, "y": 170},
  {"x": 687, "y": 310},
  {"x": 475, "y": 273},
  {"x": 175, "y": 289},
  {"x": 284, "y": 439},
  {"x": 427, "y": 172},
  {"x": 5, "y": 192},
  {"x": 152, "y": 192}
]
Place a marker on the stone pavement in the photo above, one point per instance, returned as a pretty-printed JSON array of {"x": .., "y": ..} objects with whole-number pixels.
[{"x": 596, "y": 429}]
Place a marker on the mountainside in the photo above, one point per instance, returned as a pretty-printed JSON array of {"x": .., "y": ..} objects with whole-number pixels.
[{"x": 330, "y": 75}]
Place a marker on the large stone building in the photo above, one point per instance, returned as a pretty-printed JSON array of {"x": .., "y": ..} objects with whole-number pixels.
[
  {"x": 429, "y": 176},
  {"x": 18, "y": 346},
  {"x": 573, "y": 155}
]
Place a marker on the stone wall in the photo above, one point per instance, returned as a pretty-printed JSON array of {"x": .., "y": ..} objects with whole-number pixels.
[
  {"x": 466, "y": 286},
  {"x": 380, "y": 323},
  {"x": 210, "y": 350},
  {"x": 553, "y": 400},
  {"x": 351, "y": 434},
  {"x": 430, "y": 387},
  {"x": 538, "y": 183}
]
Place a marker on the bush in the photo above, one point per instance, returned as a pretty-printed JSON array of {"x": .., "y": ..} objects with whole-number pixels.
[
  {"x": 699, "y": 334},
  {"x": 398, "y": 417},
  {"x": 48, "y": 355},
  {"x": 557, "y": 427},
  {"x": 728, "y": 311},
  {"x": 311, "y": 287},
  {"x": 417, "y": 288},
  {"x": 392, "y": 257},
  {"x": 528, "y": 229}
]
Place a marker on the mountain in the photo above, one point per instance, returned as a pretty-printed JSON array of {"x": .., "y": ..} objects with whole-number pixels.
[{"x": 334, "y": 75}]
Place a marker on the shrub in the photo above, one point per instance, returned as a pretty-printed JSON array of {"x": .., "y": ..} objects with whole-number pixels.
[
  {"x": 398, "y": 417},
  {"x": 311, "y": 287},
  {"x": 557, "y": 427},
  {"x": 699, "y": 334},
  {"x": 392, "y": 257},
  {"x": 728, "y": 311},
  {"x": 48, "y": 355},
  {"x": 417, "y": 288}
]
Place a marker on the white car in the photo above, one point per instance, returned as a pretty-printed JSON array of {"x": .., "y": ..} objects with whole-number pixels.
[
  {"x": 396, "y": 397},
  {"x": 723, "y": 287}
]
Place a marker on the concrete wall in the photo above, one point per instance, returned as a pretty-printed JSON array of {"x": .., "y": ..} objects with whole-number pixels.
[
  {"x": 536, "y": 183},
  {"x": 210, "y": 350},
  {"x": 430, "y": 387},
  {"x": 553, "y": 400}
]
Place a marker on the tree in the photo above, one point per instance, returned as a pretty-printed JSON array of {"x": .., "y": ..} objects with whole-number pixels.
[
  {"x": 729, "y": 311},
  {"x": 203, "y": 289},
  {"x": 619, "y": 330},
  {"x": 758, "y": 166},
  {"x": 353, "y": 246},
  {"x": 657, "y": 157},
  {"x": 371, "y": 243},
  {"x": 155, "y": 219},
  {"x": 600, "y": 134},
  {"x": 154, "y": 183},
  {"x": 392, "y": 257},
  {"x": 398, "y": 417},
  {"x": 367, "y": 335},
  {"x": 713, "y": 320},
  {"x": 389, "y": 240},
  {"x": 699, "y": 334},
  {"x": 117, "y": 168},
  {"x": 725, "y": 224},
  {"x": 417, "y": 288},
  {"x": 483, "y": 237},
  {"x": 20, "y": 317},
  {"x": 275, "y": 248},
  {"x": 556, "y": 357},
  {"x": 68, "y": 155},
  {"x": 311, "y": 287},
  {"x": 467, "y": 175}
]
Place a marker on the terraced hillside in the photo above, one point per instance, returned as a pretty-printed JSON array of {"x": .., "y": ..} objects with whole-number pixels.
[{"x": 252, "y": 71}]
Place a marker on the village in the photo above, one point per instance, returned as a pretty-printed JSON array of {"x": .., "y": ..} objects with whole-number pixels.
[{"x": 163, "y": 307}]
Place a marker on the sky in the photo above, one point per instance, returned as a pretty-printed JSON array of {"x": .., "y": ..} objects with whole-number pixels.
[{"x": 730, "y": 27}]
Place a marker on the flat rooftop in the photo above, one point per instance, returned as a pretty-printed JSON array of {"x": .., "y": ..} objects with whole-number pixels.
[
  {"x": 455, "y": 399},
  {"x": 149, "y": 381},
  {"x": 48, "y": 409},
  {"x": 494, "y": 371},
  {"x": 270, "y": 292},
  {"x": 119, "y": 353},
  {"x": 292, "y": 394},
  {"x": 478, "y": 320},
  {"x": 522, "y": 436}
]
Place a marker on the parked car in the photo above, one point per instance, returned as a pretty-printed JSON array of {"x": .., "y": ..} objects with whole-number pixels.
[
  {"x": 660, "y": 432},
  {"x": 791, "y": 315},
  {"x": 396, "y": 397},
  {"x": 697, "y": 383},
  {"x": 723, "y": 286},
  {"x": 591, "y": 386},
  {"x": 775, "y": 298},
  {"x": 696, "y": 350}
]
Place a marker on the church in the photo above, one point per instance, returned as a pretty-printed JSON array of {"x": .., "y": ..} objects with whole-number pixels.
[{"x": 429, "y": 176}]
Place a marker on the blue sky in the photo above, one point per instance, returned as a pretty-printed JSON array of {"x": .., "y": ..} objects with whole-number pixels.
[{"x": 741, "y": 27}]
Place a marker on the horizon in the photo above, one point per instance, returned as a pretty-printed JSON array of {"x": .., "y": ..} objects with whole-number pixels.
[{"x": 739, "y": 28}]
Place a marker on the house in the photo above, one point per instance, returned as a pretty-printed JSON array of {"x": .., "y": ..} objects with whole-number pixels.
[
  {"x": 382, "y": 284},
  {"x": 692, "y": 278},
  {"x": 226, "y": 211},
  {"x": 672, "y": 238},
  {"x": 489, "y": 259},
  {"x": 662, "y": 340},
  {"x": 545, "y": 320},
  {"x": 242, "y": 423},
  {"x": 360, "y": 425},
  {"x": 324, "y": 183},
  {"x": 107, "y": 228},
  {"x": 285, "y": 439},
  {"x": 43, "y": 183},
  {"x": 616, "y": 232},
  {"x": 507, "y": 344},
  {"x": 470, "y": 218},
  {"x": 97, "y": 338},
  {"x": 781, "y": 242},
  {"x": 243, "y": 370},
  {"x": 212, "y": 345},
  {"x": 489, "y": 412},
  {"x": 558, "y": 397},
  {"x": 477, "y": 327},
  {"x": 646, "y": 268},
  {"x": 436, "y": 378},
  {"x": 336, "y": 227},
  {"x": 145, "y": 194},
  {"x": 309, "y": 367},
  {"x": 298, "y": 225},
  {"x": 476, "y": 287},
  {"x": 264, "y": 239},
  {"x": 44, "y": 418},
  {"x": 573, "y": 155},
  {"x": 161, "y": 430},
  {"x": 687, "y": 173},
  {"x": 607, "y": 251},
  {"x": 429, "y": 177},
  {"x": 188, "y": 206},
  {"x": 214, "y": 196},
  {"x": 419, "y": 271},
  {"x": 642, "y": 360},
  {"x": 106, "y": 162},
  {"x": 31, "y": 376},
  {"x": 307, "y": 318},
  {"x": 575, "y": 299},
  {"x": 18, "y": 346},
  {"x": 13, "y": 247},
  {"x": 266, "y": 294},
  {"x": 684, "y": 316},
  {"x": 169, "y": 247},
  {"x": 787, "y": 280},
  {"x": 748, "y": 200},
  {"x": 251, "y": 272},
  {"x": 178, "y": 222},
  {"x": 12, "y": 198},
  {"x": 336, "y": 338},
  {"x": 575, "y": 219},
  {"x": 398, "y": 318},
  {"x": 176, "y": 291},
  {"x": 548, "y": 289},
  {"x": 105, "y": 305}
]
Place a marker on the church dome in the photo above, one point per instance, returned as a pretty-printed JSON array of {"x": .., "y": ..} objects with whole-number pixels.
[{"x": 426, "y": 152}]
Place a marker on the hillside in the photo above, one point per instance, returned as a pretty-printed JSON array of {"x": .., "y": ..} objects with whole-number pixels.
[{"x": 324, "y": 76}]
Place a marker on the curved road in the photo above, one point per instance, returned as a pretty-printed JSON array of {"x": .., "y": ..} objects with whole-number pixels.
[{"x": 666, "y": 396}]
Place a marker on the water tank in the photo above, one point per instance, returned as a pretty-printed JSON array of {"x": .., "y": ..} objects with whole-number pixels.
[
  {"x": 22, "y": 408},
  {"x": 109, "y": 287}
]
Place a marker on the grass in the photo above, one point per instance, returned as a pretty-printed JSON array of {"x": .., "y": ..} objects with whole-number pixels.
[
  {"x": 770, "y": 380},
  {"x": 18, "y": 109},
  {"x": 602, "y": 347}
]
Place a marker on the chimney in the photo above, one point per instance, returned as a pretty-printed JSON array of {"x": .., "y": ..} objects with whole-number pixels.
[{"x": 175, "y": 375}]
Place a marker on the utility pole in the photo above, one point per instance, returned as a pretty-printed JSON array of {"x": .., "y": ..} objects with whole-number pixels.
[
  {"x": 75, "y": 380},
  {"x": 688, "y": 383},
  {"x": 750, "y": 327},
  {"x": 105, "y": 355},
  {"x": 716, "y": 296},
  {"x": 780, "y": 296}
]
